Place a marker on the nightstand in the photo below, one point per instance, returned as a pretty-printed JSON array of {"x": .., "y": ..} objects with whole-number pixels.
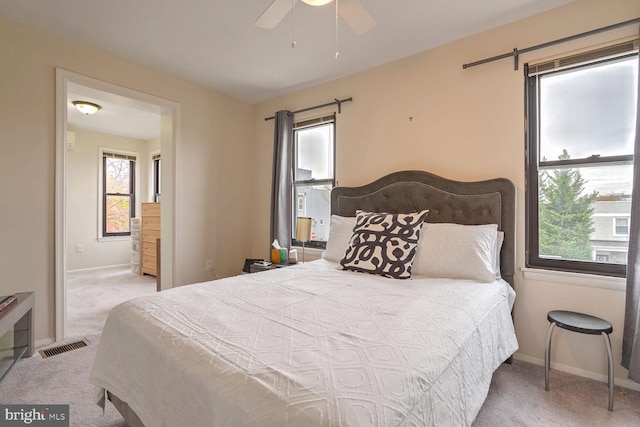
[{"x": 256, "y": 268}]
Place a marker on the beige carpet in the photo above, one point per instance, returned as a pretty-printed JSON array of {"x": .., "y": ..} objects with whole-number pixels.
[
  {"x": 62, "y": 379},
  {"x": 91, "y": 294},
  {"x": 517, "y": 398}
]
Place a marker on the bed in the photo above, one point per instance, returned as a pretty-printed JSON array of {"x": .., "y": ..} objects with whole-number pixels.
[{"x": 317, "y": 344}]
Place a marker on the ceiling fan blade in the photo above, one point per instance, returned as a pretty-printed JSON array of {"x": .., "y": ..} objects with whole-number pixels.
[
  {"x": 356, "y": 15},
  {"x": 272, "y": 16}
]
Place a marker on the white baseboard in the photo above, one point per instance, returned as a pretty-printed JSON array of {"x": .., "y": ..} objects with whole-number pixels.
[
  {"x": 620, "y": 382},
  {"x": 105, "y": 267}
]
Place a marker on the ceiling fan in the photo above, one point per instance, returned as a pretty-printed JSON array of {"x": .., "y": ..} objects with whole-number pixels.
[{"x": 352, "y": 11}]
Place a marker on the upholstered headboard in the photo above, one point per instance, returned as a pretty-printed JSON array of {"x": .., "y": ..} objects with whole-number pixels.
[{"x": 469, "y": 203}]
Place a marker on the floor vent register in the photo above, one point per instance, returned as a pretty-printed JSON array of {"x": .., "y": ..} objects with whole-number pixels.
[{"x": 64, "y": 348}]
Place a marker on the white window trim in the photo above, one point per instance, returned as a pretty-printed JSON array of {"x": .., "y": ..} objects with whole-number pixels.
[{"x": 101, "y": 151}]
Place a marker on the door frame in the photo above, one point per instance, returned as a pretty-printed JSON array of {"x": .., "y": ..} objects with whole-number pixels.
[{"x": 169, "y": 143}]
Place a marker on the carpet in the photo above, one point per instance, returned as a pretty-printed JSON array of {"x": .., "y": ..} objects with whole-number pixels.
[
  {"x": 60, "y": 379},
  {"x": 91, "y": 294},
  {"x": 517, "y": 398}
]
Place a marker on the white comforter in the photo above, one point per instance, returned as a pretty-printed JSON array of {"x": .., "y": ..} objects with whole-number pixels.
[{"x": 308, "y": 345}]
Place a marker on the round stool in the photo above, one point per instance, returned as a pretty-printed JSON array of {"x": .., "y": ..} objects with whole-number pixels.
[{"x": 584, "y": 324}]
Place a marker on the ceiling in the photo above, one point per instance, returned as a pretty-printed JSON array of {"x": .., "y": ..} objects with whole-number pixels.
[
  {"x": 215, "y": 42},
  {"x": 118, "y": 115}
]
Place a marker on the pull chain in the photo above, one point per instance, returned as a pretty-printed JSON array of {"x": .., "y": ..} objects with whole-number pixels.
[
  {"x": 293, "y": 36},
  {"x": 337, "y": 51}
]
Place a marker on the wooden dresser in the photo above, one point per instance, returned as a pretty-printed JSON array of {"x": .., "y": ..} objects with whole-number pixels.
[{"x": 150, "y": 234}]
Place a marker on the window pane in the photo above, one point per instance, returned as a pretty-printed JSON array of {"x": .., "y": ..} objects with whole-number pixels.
[
  {"x": 578, "y": 208},
  {"x": 157, "y": 181},
  {"x": 622, "y": 226},
  {"x": 589, "y": 111},
  {"x": 117, "y": 211},
  {"x": 314, "y": 201},
  {"x": 117, "y": 175},
  {"x": 314, "y": 153}
]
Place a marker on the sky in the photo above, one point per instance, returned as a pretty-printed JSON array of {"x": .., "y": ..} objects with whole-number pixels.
[{"x": 592, "y": 112}]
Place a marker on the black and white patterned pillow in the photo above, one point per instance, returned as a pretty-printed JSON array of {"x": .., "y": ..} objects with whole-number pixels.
[{"x": 384, "y": 244}]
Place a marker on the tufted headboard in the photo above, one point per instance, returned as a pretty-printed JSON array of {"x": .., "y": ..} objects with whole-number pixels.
[{"x": 468, "y": 203}]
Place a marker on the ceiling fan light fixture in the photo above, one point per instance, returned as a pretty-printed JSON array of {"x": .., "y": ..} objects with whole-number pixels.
[
  {"x": 317, "y": 2},
  {"x": 86, "y": 107}
]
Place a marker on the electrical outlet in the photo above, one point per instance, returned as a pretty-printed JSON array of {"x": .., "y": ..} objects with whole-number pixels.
[
  {"x": 79, "y": 249},
  {"x": 209, "y": 265}
]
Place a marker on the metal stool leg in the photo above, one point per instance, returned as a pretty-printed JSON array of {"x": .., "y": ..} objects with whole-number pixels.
[
  {"x": 607, "y": 344},
  {"x": 547, "y": 356}
]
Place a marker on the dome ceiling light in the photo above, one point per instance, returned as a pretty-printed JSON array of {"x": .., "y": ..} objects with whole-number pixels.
[{"x": 86, "y": 107}]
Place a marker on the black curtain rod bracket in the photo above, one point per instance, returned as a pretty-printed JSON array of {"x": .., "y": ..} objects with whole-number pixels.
[
  {"x": 516, "y": 52},
  {"x": 336, "y": 101}
]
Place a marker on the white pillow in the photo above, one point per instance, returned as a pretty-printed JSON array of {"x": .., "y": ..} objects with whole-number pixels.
[
  {"x": 340, "y": 230},
  {"x": 457, "y": 251},
  {"x": 496, "y": 253}
]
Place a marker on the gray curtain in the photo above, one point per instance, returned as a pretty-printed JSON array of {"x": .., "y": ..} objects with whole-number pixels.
[
  {"x": 281, "y": 197},
  {"x": 631, "y": 337}
]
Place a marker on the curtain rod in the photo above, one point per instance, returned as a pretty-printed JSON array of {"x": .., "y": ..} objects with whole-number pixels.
[
  {"x": 516, "y": 52},
  {"x": 334, "y": 102}
]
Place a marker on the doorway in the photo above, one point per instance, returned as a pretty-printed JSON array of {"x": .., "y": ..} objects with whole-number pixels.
[{"x": 168, "y": 112}]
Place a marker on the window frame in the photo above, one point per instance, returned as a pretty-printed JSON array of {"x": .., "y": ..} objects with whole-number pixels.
[
  {"x": 533, "y": 165},
  {"x": 132, "y": 158},
  {"x": 156, "y": 161},
  {"x": 306, "y": 124}
]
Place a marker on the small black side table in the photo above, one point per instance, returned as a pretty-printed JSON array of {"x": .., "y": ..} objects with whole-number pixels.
[
  {"x": 256, "y": 268},
  {"x": 583, "y": 324}
]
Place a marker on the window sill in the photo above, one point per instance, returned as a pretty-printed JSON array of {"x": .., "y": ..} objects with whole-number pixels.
[
  {"x": 576, "y": 279},
  {"x": 308, "y": 249},
  {"x": 113, "y": 238}
]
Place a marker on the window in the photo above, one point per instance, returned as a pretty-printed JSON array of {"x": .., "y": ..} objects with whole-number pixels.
[
  {"x": 621, "y": 226},
  {"x": 157, "y": 174},
  {"x": 580, "y": 140},
  {"x": 118, "y": 193},
  {"x": 314, "y": 176}
]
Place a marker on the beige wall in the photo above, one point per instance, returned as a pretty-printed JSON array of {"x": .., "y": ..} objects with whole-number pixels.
[
  {"x": 213, "y": 170},
  {"x": 83, "y": 191},
  {"x": 426, "y": 112}
]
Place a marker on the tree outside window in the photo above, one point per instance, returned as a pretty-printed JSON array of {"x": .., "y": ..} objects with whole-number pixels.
[{"x": 566, "y": 221}]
